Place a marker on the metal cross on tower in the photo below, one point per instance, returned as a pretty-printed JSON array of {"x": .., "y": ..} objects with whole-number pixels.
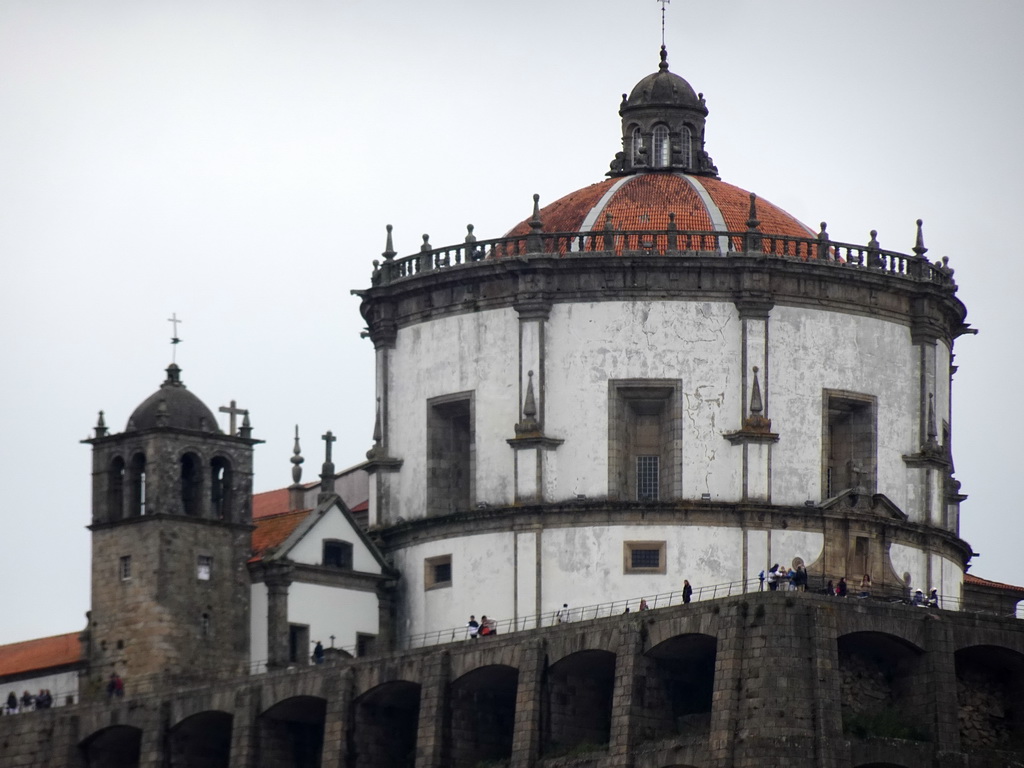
[{"x": 175, "y": 341}]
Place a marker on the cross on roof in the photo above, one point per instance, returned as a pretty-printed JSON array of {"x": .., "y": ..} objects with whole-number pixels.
[
  {"x": 234, "y": 411},
  {"x": 663, "y": 4},
  {"x": 173, "y": 320},
  {"x": 328, "y": 438}
]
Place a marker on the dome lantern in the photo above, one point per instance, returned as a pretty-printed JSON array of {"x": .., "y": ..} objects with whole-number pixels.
[{"x": 663, "y": 127}]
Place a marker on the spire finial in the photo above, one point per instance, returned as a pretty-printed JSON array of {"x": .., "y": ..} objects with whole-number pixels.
[
  {"x": 919, "y": 248},
  {"x": 663, "y": 66},
  {"x": 389, "y": 247},
  {"x": 297, "y": 459},
  {"x": 175, "y": 341},
  {"x": 101, "y": 426},
  {"x": 663, "y": 4},
  {"x": 756, "y": 405},
  {"x": 528, "y": 424}
]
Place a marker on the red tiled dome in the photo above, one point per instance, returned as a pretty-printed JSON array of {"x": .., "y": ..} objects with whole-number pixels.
[{"x": 644, "y": 201}]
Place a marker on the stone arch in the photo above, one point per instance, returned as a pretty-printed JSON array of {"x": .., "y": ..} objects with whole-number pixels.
[
  {"x": 385, "y": 721},
  {"x": 577, "y": 708},
  {"x": 990, "y": 697},
  {"x": 202, "y": 740},
  {"x": 137, "y": 485},
  {"x": 679, "y": 685},
  {"x": 291, "y": 732},
  {"x": 482, "y": 712},
  {"x": 221, "y": 487},
  {"x": 116, "y": 476},
  {"x": 115, "y": 747},
  {"x": 882, "y": 692},
  {"x": 191, "y": 484}
]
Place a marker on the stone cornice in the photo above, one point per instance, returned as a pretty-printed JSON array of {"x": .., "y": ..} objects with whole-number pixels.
[{"x": 754, "y": 283}]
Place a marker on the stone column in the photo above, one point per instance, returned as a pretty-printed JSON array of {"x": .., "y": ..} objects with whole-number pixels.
[
  {"x": 628, "y": 714},
  {"x": 727, "y": 692},
  {"x": 534, "y": 457},
  {"x": 337, "y": 719},
  {"x": 277, "y": 577},
  {"x": 153, "y": 749},
  {"x": 432, "y": 749},
  {"x": 526, "y": 742}
]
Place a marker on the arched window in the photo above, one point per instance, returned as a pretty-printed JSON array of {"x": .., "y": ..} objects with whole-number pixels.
[
  {"x": 662, "y": 147},
  {"x": 191, "y": 484},
  {"x": 686, "y": 146},
  {"x": 137, "y": 481},
  {"x": 115, "y": 489},
  {"x": 220, "y": 488},
  {"x": 636, "y": 146}
]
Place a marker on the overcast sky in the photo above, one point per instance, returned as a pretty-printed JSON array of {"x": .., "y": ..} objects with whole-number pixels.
[{"x": 236, "y": 163}]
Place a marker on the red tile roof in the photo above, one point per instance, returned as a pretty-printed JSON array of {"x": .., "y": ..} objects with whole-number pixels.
[
  {"x": 269, "y": 503},
  {"x": 272, "y": 530},
  {"x": 969, "y": 579},
  {"x": 43, "y": 653},
  {"x": 644, "y": 202}
]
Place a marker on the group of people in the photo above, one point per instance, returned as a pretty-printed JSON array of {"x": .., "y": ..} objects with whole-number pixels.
[
  {"x": 794, "y": 579},
  {"x": 115, "y": 686},
  {"x": 919, "y": 600},
  {"x": 28, "y": 702},
  {"x": 483, "y": 628}
]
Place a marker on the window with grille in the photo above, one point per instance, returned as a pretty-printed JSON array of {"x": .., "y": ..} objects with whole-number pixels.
[
  {"x": 662, "y": 147},
  {"x": 125, "y": 568},
  {"x": 647, "y": 478},
  {"x": 437, "y": 572},
  {"x": 337, "y": 554},
  {"x": 644, "y": 557}
]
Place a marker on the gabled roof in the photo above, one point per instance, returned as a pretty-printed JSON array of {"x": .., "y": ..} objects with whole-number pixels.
[
  {"x": 308, "y": 521},
  {"x": 969, "y": 579},
  {"x": 40, "y": 654},
  {"x": 272, "y": 531},
  {"x": 857, "y": 501}
]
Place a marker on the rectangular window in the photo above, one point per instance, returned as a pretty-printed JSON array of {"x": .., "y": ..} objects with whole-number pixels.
[
  {"x": 647, "y": 478},
  {"x": 849, "y": 442},
  {"x": 643, "y": 557},
  {"x": 337, "y": 554},
  {"x": 125, "y": 568},
  {"x": 450, "y": 453},
  {"x": 364, "y": 644},
  {"x": 437, "y": 572},
  {"x": 204, "y": 567},
  {"x": 644, "y": 443}
]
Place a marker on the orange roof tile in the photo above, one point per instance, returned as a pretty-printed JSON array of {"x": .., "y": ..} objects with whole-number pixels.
[
  {"x": 272, "y": 530},
  {"x": 269, "y": 503},
  {"x": 40, "y": 654},
  {"x": 968, "y": 578}
]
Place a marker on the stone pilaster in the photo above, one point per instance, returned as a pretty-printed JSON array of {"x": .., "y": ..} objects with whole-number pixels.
[
  {"x": 432, "y": 749},
  {"x": 825, "y": 690},
  {"x": 526, "y": 742},
  {"x": 627, "y": 694},
  {"x": 278, "y": 577},
  {"x": 153, "y": 747},
  {"x": 729, "y": 686},
  {"x": 337, "y": 720},
  {"x": 941, "y": 692}
]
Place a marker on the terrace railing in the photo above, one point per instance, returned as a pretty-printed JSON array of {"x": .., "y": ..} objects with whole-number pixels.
[{"x": 668, "y": 242}]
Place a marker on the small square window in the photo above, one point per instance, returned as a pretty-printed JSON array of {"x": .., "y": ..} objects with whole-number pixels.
[
  {"x": 337, "y": 554},
  {"x": 204, "y": 567},
  {"x": 643, "y": 557},
  {"x": 125, "y": 568},
  {"x": 437, "y": 572}
]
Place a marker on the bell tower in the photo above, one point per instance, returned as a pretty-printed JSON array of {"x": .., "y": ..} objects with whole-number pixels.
[{"x": 171, "y": 529}]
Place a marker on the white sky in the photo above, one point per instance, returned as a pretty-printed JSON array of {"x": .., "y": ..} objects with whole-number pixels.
[{"x": 236, "y": 162}]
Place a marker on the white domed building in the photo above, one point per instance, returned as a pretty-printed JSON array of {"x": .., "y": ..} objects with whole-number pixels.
[{"x": 659, "y": 377}]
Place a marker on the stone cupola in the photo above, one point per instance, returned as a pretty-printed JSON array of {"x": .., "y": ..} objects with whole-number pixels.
[{"x": 663, "y": 127}]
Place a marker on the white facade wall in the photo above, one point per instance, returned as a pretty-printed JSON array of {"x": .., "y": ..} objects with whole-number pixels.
[
  {"x": 696, "y": 343},
  {"x": 333, "y": 525},
  {"x": 344, "y": 613},
  {"x": 477, "y": 352},
  {"x": 497, "y": 573}
]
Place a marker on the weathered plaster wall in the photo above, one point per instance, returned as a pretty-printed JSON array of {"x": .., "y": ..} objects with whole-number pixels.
[
  {"x": 258, "y": 622},
  {"x": 328, "y": 611}
]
